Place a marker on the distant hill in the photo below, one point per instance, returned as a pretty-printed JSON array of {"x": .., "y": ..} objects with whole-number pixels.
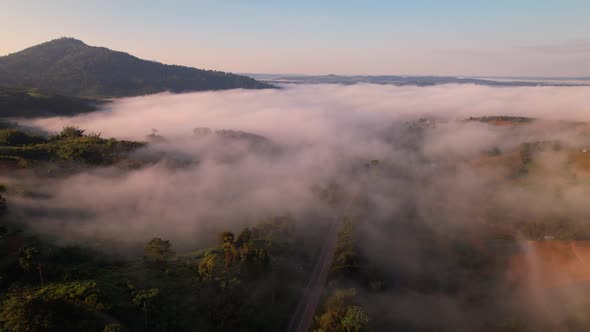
[
  {"x": 413, "y": 80},
  {"x": 30, "y": 102},
  {"x": 68, "y": 66}
]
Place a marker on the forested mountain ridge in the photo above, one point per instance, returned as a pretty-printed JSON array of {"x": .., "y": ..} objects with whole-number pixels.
[
  {"x": 30, "y": 102},
  {"x": 70, "y": 67}
]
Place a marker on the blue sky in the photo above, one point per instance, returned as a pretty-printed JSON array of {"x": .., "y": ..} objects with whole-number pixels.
[{"x": 494, "y": 37}]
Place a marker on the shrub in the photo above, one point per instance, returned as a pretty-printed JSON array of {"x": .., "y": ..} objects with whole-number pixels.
[
  {"x": 339, "y": 313},
  {"x": 57, "y": 307},
  {"x": 69, "y": 132},
  {"x": 158, "y": 249},
  {"x": 18, "y": 137}
]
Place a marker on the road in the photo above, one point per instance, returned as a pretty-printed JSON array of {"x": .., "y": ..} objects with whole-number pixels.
[{"x": 306, "y": 308}]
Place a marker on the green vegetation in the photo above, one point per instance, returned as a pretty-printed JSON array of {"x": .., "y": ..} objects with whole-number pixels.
[
  {"x": 68, "y": 66},
  {"x": 346, "y": 258},
  {"x": 22, "y": 149},
  {"x": 67, "y": 306},
  {"x": 31, "y": 102},
  {"x": 236, "y": 286},
  {"x": 251, "y": 279},
  {"x": 341, "y": 310},
  {"x": 158, "y": 250},
  {"x": 341, "y": 315},
  {"x": 16, "y": 137}
]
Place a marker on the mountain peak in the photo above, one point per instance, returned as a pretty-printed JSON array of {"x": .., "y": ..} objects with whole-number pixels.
[
  {"x": 58, "y": 43},
  {"x": 66, "y": 40},
  {"x": 70, "y": 67}
]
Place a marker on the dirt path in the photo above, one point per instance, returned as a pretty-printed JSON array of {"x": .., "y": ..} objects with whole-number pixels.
[{"x": 303, "y": 316}]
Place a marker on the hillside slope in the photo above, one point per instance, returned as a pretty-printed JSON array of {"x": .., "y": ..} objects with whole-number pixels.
[
  {"x": 30, "y": 102},
  {"x": 68, "y": 66}
]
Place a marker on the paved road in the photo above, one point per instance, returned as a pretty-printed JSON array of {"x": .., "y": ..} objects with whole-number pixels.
[{"x": 306, "y": 308}]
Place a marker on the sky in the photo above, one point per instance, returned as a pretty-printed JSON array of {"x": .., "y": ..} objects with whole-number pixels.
[{"x": 419, "y": 37}]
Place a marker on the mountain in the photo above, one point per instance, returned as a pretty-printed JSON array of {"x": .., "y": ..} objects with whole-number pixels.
[
  {"x": 31, "y": 102},
  {"x": 70, "y": 67},
  {"x": 414, "y": 80}
]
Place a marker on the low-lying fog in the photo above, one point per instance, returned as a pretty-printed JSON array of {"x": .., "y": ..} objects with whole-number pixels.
[
  {"x": 315, "y": 113},
  {"x": 315, "y": 135},
  {"x": 303, "y": 139}
]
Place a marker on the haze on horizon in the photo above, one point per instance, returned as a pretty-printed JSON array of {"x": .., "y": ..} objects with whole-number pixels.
[{"x": 465, "y": 38}]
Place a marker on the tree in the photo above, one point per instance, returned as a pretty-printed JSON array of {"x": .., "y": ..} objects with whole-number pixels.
[
  {"x": 355, "y": 319},
  {"x": 145, "y": 298},
  {"x": 69, "y": 132},
  {"x": 226, "y": 237},
  {"x": 244, "y": 236},
  {"x": 18, "y": 137},
  {"x": 154, "y": 137},
  {"x": 158, "y": 250},
  {"x": 340, "y": 315},
  {"x": 207, "y": 265},
  {"x": 30, "y": 260},
  {"x": 231, "y": 254},
  {"x": 56, "y": 307},
  {"x": 113, "y": 328},
  {"x": 229, "y": 248},
  {"x": 346, "y": 256}
]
